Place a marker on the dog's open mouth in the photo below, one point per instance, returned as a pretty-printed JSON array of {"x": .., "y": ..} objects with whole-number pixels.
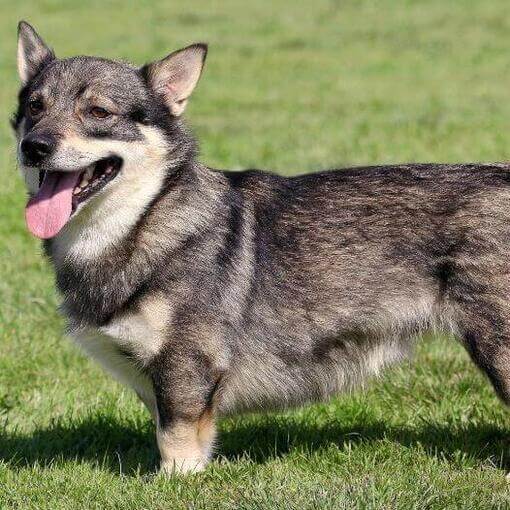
[
  {"x": 60, "y": 193},
  {"x": 94, "y": 178}
]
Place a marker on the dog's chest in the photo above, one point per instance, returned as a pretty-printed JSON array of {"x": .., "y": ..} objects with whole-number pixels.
[
  {"x": 128, "y": 342},
  {"x": 110, "y": 352},
  {"x": 135, "y": 334},
  {"x": 140, "y": 331}
]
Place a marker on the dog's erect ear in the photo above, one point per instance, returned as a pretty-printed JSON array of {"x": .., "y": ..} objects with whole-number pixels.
[
  {"x": 175, "y": 76},
  {"x": 33, "y": 54}
]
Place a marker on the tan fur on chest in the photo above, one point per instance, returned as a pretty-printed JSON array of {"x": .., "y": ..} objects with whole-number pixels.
[{"x": 141, "y": 332}]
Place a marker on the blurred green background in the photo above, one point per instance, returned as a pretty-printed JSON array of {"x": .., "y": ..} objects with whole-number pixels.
[{"x": 293, "y": 87}]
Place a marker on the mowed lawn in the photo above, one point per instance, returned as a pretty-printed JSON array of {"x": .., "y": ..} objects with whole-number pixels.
[{"x": 294, "y": 87}]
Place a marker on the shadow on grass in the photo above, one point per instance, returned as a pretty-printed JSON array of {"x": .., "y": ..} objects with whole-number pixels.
[
  {"x": 124, "y": 449},
  {"x": 276, "y": 438},
  {"x": 101, "y": 441}
]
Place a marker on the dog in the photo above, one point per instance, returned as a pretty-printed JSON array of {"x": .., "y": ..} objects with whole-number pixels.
[{"x": 212, "y": 292}]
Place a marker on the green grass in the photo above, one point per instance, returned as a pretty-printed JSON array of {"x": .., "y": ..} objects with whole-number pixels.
[{"x": 292, "y": 86}]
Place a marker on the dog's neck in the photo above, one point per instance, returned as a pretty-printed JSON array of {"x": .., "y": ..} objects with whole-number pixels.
[{"x": 103, "y": 259}]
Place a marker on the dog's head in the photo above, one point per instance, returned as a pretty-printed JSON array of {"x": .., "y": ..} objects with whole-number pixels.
[{"x": 92, "y": 130}]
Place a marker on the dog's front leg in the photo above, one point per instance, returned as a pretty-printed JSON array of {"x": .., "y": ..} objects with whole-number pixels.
[
  {"x": 185, "y": 425},
  {"x": 185, "y": 445}
]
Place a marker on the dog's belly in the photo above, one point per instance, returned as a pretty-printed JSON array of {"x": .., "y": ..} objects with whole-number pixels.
[
  {"x": 259, "y": 378},
  {"x": 271, "y": 383},
  {"x": 251, "y": 383}
]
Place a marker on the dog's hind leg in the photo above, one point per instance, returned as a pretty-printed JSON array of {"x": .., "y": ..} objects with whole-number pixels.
[
  {"x": 476, "y": 281},
  {"x": 484, "y": 328},
  {"x": 491, "y": 352}
]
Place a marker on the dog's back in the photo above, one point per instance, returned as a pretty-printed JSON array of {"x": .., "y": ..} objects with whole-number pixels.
[{"x": 346, "y": 267}]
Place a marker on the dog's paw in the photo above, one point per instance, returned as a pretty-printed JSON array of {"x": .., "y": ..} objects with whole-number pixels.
[{"x": 182, "y": 466}]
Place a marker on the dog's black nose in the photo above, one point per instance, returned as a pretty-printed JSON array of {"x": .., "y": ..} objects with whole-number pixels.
[{"x": 37, "y": 147}]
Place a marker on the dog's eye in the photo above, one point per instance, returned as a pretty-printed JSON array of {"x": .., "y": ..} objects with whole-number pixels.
[
  {"x": 99, "y": 113},
  {"x": 35, "y": 106}
]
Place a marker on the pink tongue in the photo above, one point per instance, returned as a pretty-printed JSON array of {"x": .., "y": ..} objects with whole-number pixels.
[{"x": 51, "y": 208}]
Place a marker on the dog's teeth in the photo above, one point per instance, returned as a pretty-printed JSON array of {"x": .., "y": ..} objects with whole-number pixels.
[
  {"x": 76, "y": 190},
  {"x": 84, "y": 183},
  {"x": 89, "y": 172}
]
